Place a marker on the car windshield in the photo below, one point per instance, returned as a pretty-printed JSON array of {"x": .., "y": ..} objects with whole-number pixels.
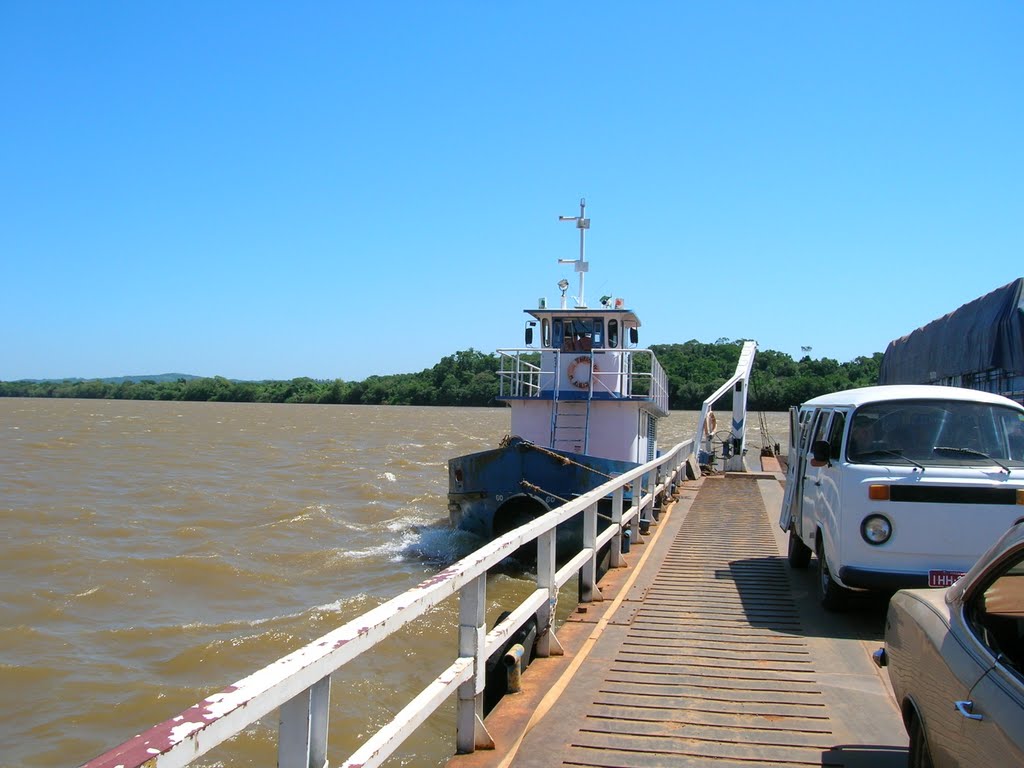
[{"x": 937, "y": 433}]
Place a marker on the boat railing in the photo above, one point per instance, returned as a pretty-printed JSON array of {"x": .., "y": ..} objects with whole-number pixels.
[
  {"x": 633, "y": 374},
  {"x": 298, "y": 685},
  {"x": 645, "y": 376},
  {"x": 520, "y": 373}
]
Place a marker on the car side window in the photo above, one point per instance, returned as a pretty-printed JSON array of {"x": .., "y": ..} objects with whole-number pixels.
[{"x": 997, "y": 614}]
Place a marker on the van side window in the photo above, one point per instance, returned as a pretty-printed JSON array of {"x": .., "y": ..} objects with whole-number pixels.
[
  {"x": 807, "y": 422},
  {"x": 819, "y": 428},
  {"x": 835, "y": 434}
]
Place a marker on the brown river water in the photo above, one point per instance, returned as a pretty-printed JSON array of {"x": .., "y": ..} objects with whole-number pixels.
[{"x": 152, "y": 553}]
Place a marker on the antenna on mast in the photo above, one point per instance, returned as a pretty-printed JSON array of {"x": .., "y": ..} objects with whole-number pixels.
[{"x": 582, "y": 267}]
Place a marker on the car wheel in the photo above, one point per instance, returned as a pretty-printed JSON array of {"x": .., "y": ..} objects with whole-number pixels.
[
  {"x": 799, "y": 554},
  {"x": 832, "y": 595},
  {"x": 918, "y": 756}
]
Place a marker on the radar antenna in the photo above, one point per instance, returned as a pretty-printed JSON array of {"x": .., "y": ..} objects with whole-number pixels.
[{"x": 582, "y": 224}]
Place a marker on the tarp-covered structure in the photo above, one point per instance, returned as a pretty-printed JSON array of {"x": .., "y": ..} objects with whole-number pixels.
[{"x": 980, "y": 345}]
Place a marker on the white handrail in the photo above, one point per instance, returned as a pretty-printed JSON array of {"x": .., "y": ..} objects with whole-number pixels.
[{"x": 299, "y": 683}]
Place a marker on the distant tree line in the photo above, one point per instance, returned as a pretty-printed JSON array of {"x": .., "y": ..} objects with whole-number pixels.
[
  {"x": 695, "y": 370},
  {"x": 468, "y": 378}
]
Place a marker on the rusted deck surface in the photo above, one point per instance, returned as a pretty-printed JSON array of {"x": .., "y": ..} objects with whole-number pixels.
[{"x": 715, "y": 654}]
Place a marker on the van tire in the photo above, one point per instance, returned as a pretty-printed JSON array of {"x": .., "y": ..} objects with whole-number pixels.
[
  {"x": 799, "y": 554},
  {"x": 833, "y": 596}
]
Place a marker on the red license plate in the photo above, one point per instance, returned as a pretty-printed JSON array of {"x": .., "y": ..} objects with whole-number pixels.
[{"x": 943, "y": 578}]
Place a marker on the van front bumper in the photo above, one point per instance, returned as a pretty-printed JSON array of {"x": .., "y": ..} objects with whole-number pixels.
[{"x": 881, "y": 581}]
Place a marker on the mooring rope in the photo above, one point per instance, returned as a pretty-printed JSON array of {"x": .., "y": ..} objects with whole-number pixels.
[
  {"x": 566, "y": 460},
  {"x": 531, "y": 487},
  {"x": 767, "y": 442}
]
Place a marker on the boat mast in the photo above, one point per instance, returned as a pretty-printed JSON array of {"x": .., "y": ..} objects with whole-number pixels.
[{"x": 582, "y": 224}]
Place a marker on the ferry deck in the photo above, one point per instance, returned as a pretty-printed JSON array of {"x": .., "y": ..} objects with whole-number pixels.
[{"x": 707, "y": 651}]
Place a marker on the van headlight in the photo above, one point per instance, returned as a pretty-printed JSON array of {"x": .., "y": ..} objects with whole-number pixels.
[{"x": 876, "y": 529}]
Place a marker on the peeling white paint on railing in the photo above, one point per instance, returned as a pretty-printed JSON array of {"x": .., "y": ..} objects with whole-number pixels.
[{"x": 298, "y": 685}]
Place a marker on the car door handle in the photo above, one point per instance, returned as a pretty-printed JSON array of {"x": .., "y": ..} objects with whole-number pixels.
[{"x": 966, "y": 708}]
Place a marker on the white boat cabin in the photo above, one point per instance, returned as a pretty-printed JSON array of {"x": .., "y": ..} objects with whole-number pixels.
[{"x": 581, "y": 384}]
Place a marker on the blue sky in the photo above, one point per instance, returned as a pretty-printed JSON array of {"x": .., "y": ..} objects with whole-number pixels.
[{"x": 271, "y": 190}]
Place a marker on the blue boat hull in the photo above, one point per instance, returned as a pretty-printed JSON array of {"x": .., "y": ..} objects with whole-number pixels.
[{"x": 492, "y": 492}]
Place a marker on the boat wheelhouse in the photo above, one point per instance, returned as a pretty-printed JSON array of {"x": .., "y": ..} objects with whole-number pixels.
[{"x": 585, "y": 402}]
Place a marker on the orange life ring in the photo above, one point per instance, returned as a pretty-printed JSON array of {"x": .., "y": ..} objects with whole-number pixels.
[{"x": 576, "y": 363}]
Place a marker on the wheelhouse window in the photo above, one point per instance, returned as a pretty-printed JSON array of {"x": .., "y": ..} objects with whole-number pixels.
[
  {"x": 937, "y": 433},
  {"x": 581, "y": 334},
  {"x": 613, "y": 334},
  {"x": 545, "y": 333}
]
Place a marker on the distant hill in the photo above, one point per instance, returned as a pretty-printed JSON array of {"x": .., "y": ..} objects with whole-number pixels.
[{"x": 159, "y": 378}]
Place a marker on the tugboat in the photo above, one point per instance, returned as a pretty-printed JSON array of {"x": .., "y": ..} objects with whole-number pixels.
[{"x": 585, "y": 406}]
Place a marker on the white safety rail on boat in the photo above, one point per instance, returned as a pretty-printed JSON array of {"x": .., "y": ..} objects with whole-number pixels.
[
  {"x": 299, "y": 684},
  {"x": 630, "y": 374},
  {"x": 707, "y": 429}
]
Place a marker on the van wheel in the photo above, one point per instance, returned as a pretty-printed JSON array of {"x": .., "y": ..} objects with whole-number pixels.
[
  {"x": 799, "y": 554},
  {"x": 833, "y": 597}
]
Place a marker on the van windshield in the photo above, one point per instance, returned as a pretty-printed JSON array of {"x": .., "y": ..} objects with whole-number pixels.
[{"x": 936, "y": 433}]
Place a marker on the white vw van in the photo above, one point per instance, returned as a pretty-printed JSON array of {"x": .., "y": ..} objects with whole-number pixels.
[{"x": 900, "y": 486}]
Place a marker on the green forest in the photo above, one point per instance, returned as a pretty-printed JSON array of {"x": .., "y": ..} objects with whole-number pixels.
[{"x": 468, "y": 378}]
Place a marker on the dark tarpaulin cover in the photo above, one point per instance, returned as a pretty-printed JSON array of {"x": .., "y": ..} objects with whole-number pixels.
[{"x": 984, "y": 334}]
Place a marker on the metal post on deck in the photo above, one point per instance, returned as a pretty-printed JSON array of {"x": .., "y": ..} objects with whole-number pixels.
[
  {"x": 634, "y": 504},
  {"x": 647, "y": 510},
  {"x": 302, "y": 727},
  {"x": 547, "y": 643},
  {"x": 615, "y": 554},
  {"x": 470, "y": 732},
  {"x": 589, "y": 592}
]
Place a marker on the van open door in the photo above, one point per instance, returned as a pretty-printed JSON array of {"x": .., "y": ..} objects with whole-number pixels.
[{"x": 794, "y": 472}]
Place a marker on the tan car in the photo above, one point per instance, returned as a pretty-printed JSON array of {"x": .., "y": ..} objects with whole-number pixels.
[{"x": 956, "y": 661}]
